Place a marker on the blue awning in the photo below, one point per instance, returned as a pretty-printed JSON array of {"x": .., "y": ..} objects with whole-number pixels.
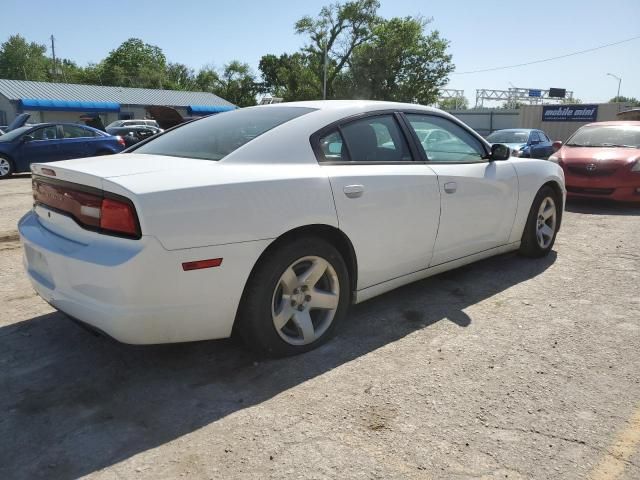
[
  {"x": 45, "y": 104},
  {"x": 207, "y": 109}
]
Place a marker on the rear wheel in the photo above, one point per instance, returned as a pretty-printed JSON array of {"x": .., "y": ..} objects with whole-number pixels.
[
  {"x": 295, "y": 298},
  {"x": 542, "y": 224},
  {"x": 6, "y": 167}
]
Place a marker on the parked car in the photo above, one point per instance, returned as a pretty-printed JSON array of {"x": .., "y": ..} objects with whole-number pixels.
[
  {"x": 271, "y": 220},
  {"x": 602, "y": 160},
  {"x": 524, "y": 142},
  {"x": 50, "y": 142},
  {"x": 130, "y": 123},
  {"x": 134, "y": 133}
]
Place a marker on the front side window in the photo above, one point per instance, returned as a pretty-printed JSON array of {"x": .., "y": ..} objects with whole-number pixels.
[
  {"x": 444, "y": 141},
  {"x": 74, "y": 131},
  {"x": 534, "y": 137},
  {"x": 543, "y": 137},
  {"x": 45, "y": 133},
  {"x": 216, "y": 136},
  {"x": 376, "y": 139}
]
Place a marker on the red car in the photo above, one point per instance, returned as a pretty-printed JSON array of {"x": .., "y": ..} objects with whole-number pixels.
[{"x": 602, "y": 160}]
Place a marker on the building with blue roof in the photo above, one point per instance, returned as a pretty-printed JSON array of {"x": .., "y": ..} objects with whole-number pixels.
[{"x": 53, "y": 102}]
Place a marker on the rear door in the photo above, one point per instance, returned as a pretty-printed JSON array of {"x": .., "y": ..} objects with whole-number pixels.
[
  {"x": 77, "y": 141},
  {"x": 478, "y": 198},
  {"x": 387, "y": 203}
]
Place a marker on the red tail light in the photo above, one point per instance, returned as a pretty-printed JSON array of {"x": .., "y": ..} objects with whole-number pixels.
[
  {"x": 91, "y": 208},
  {"x": 117, "y": 216},
  {"x": 121, "y": 140}
]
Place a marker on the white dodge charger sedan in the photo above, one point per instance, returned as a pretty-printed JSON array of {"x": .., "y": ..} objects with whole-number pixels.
[{"x": 269, "y": 221}]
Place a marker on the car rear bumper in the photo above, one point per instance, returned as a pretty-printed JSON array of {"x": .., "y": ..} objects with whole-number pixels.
[{"x": 135, "y": 290}]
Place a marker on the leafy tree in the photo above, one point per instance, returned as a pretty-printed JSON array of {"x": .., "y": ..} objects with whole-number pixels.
[
  {"x": 632, "y": 101},
  {"x": 179, "y": 77},
  {"x": 455, "y": 103},
  {"x": 340, "y": 29},
  {"x": 399, "y": 63},
  {"x": 135, "y": 64},
  {"x": 238, "y": 84},
  {"x": 20, "y": 60},
  {"x": 291, "y": 77}
]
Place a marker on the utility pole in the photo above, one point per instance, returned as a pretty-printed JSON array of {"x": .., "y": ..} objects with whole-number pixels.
[
  {"x": 324, "y": 79},
  {"x": 53, "y": 54},
  {"x": 619, "y": 82}
]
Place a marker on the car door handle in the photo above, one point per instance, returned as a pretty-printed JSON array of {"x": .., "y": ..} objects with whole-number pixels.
[
  {"x": 353, "y": 191},
  {"x": 450, "y": 187}
]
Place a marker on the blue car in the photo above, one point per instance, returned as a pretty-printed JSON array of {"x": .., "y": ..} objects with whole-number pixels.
[
  {"x": 24, "y": 144},
  {"x": 524, "y": 142}
]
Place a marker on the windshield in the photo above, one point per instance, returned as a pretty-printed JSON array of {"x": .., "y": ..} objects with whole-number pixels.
[
  {"x": 13, "y": 134},
  {"x": 215, "y": 137},
  {"x": 508, "y": 136},
  {"x": 606, "y": 136}
]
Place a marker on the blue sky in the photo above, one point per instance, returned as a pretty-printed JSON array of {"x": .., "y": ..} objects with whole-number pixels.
[{"x": 483, "y": 34}]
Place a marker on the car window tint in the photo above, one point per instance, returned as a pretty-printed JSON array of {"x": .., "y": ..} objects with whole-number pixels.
[
  {"x": 376, "y": 139},
  {"x": 216, "y": 136},
  {"x": 45, "y": 133},
  {"x": 74, "y": 131},
  {"x": 534, "y": 137},
  {"x": 444, "y": 141},
  {"x": 332, "y": 147}
]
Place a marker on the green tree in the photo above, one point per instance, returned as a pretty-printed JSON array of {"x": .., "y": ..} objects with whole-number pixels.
[
  {"x": 134, "y": 64},
  {"x": 291, "y": 77},
  {"x": 399, "y": 63},
  {"x": 454, "y": 103},
  {"x": 179, "y": 77},
  {"x": 632, "y": 101},
  {"x": 238, "y": 84},
  {"x": 340, "y": 28},
  {"x": 20, "y": 60}
]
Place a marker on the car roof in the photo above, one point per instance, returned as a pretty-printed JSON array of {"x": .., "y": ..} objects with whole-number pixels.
[
  {"x": 616, "y": 123},
  {"x": 517, "y": 130},
  {"x": 352, "y": 104}
]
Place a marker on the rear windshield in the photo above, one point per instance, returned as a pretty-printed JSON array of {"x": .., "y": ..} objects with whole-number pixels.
[
  {"x": 508, "y": 137},
  {"x": 215, "y": 137},
  {"x": 606, "y": 136}
]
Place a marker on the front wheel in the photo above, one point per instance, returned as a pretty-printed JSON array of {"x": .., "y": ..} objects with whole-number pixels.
[
  {"x": 295, "y": 299},
  {"x": 542, "y": 224},
  {"x": 6, "y": 167}
]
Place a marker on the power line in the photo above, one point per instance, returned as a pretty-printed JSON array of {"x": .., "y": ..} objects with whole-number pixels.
[{"x": 546, "y": 59}]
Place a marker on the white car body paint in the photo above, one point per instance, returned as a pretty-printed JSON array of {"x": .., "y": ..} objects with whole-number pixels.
[{"x": 403, "y": 225}]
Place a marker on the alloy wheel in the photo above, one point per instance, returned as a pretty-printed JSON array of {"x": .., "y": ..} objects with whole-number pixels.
[
  {"x": 5, "y": 168},
  {"x": 305, "y": 300},
  {"x": 546, "y": 222}
]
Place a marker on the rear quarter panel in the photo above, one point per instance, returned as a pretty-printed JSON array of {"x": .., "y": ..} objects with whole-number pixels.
[
  {"x": 532, "y": 175},
  {"x": 224, "y": 203}
]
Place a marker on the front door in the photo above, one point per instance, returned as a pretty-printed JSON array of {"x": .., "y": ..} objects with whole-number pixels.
[
  {"x": 42, "y": 146},
  {"x": 387, "y": 204},
  {"x": 478, "y": 197}
]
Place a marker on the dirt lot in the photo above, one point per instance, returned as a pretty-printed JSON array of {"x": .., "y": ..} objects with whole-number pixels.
[{"x": 509, "y": 368}]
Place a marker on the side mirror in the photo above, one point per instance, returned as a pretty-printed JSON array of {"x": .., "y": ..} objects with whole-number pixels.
[
  {"x": 499, "y": 152},
  {"x": 557, "y": 145},
  {"x": 27, "y": 138}
]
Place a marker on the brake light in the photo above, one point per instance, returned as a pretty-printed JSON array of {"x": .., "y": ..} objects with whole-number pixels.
[
  {"x": 121, "y": 140},
  {"x": 91, "y": 208},
  {"x": 117, "y": 216}
]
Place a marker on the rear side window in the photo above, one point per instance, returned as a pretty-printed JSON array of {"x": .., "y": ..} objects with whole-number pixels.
[
  {"x": 215, "y": 137},
  {"x": 73, "y": 131},
  {"x": 371, "y": 139}
]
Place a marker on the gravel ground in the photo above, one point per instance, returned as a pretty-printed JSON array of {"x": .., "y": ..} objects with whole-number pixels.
[{"x": 508, "y": 368}]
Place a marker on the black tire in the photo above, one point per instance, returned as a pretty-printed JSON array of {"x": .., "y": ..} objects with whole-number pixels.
[
  {"x": 529, "y": 245},
  {"x": 254, "y": 321},
  {"x": 4, "y": 172}
]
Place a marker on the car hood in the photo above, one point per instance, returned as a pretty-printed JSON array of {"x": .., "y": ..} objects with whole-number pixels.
[
  {"x": 608, "y": 155},
  {"x": 18, "y": 122}
]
